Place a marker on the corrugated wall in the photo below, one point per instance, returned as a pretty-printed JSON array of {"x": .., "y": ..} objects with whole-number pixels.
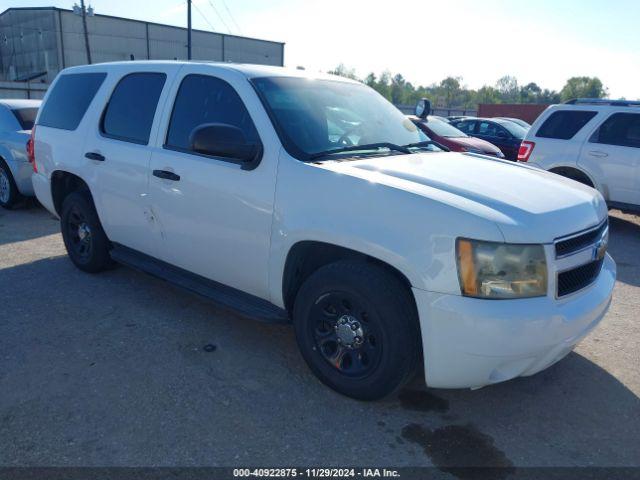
[{"x": 51, "y": 39}]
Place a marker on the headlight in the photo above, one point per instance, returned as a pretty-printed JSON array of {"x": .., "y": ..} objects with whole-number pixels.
[{"x": 501, "y": 270}]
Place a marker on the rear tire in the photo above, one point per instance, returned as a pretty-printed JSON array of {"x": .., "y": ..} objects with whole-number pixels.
[
  {"x": 9, "y": 194},
  {"x": 86, "y": 243},
  {"x": 357, "y": 329}
]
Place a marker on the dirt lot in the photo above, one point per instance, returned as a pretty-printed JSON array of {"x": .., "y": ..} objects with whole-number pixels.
[{"x": 123, "y": 369}]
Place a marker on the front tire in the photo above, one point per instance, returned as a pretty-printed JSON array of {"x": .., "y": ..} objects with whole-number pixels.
[
  {"x": 86, "y": 243},
  {"x": 9, "y": 194},
  {"x": 357, "y": 329}
]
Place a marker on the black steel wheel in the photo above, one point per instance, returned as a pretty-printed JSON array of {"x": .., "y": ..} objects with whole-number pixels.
[
  {"x": 86, "y": 243},
  {"x": 357, "y": 329}
]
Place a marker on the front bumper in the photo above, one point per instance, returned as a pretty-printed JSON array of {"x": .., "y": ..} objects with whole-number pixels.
[
  {"x": 22, "y": 177},
  {"x": 470, "y": 342}
]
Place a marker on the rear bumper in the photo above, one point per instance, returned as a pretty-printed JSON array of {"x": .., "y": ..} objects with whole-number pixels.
[
  {"x": 22, "y": 175},
  {"x": 471, "y": 342},
  {"x": 42, "y": 190}
]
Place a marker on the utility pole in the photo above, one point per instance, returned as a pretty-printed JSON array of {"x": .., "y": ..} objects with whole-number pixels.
[
  {"x": 188, "y": 29},
  {"x": 84, "y": 27}
]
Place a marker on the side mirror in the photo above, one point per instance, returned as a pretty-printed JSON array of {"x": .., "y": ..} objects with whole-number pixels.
[
  {"x": 423, "y": 108},
  {"x": 222, "y": 140}
]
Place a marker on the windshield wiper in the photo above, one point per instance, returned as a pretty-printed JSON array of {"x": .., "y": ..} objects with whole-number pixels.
[
  {"x": 355, "y": 148},
  {"x": 426, "y": 143}
]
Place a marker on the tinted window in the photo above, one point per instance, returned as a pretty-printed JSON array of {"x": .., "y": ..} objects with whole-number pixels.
[
  {"x": 443, "y": 129},
  {"x": 466, "y": 127},
  {"x": 513, "y": 128},
  {"x": 130, "y": 111},
  {"x": 564, "y": 124},
  {"x": 203, "y": 99},
  {"x": 619, "y": 129},
  {"x": 26, "y": 117},
  {"x": 69, "y": 100},
  {"x": 490, "y": 129}
]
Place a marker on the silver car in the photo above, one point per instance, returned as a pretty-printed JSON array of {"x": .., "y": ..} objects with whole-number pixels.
[{"x": 16, "y": 121}]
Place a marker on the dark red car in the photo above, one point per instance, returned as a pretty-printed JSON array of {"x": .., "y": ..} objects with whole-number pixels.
[{"x": 455, "y": 140}]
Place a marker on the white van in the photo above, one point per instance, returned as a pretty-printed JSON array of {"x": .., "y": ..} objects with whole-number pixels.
[{"x": 311, "y": 199}]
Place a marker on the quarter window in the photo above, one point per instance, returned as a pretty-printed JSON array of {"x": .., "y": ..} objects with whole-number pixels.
[
  {"x": 203, "y": 99},
  {"x": 619, "y": 129},
  {"x": 68, "y": 101},
  {"x": 564, "y": 124},
  {"x": 132, "y": 106}
]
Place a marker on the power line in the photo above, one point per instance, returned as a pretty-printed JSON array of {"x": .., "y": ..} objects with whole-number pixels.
[
  {"x": 219, "y": 16},
  {"x": 202, "y": 15},
  {"x": 231, "y": 16}
]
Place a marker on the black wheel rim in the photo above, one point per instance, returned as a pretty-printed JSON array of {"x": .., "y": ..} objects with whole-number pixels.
[
  {"x": 79, "y": 233},
  {"x": 346, "y": 334}
]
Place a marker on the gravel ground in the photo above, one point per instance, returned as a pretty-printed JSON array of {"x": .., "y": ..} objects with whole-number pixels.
[{"x": 121, "y": 369}]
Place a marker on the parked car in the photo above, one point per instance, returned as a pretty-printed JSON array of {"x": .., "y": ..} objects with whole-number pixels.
[
  {"x": 595, "y": 142},
  {"x": 16, "y": 120},
  {"x": 452, "y": 138},
  {"x": 504, "y": 134},
  {"x": 382, "y": 251},
  {"x": 519, "y": 121}
]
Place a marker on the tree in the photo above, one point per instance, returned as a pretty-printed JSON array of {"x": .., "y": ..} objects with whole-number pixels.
[
  {"x": 508, "y": 88},
  {"x": 343, "y": 71},
  {"x": 583, "y": 87},
  {"x": 450, "y": 89}
]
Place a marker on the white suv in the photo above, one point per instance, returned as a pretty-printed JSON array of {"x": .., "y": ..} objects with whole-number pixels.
[
  {"x": 315, "y": 201},
  {"x": 595, "y": 142}
]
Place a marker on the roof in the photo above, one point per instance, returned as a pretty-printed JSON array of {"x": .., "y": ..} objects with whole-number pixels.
[
  {"x": 18, "y": 103},
  {"x": 248, "y": 70},
  {"x": 136, "y": 20}
]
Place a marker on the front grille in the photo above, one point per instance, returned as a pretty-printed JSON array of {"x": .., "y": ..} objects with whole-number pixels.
[
  {"x": 576, "y": 279},
  {"x": 577, "y": 243}
]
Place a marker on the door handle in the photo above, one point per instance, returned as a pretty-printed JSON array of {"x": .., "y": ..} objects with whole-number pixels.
[
  {"x": 166, "y": 175},
  {"x": 94, "y": 156},
  {"x": 598, "y": 153}
]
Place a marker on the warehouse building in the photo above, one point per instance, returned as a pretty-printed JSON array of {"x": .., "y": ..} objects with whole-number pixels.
[{"x": 36, "y": 43}]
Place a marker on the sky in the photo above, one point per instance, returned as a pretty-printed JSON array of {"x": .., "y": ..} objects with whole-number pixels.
[{"x": 540, "y": 41}]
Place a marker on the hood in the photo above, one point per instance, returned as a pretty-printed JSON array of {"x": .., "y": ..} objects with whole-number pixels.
[
  {"x": 476, "y": 143},
  {"x": 528, "y": 205}
]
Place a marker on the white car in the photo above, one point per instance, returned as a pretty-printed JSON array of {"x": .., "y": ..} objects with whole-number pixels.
[
  {"x": 595, "y": 142},
  {"x": 313, "y": 200},
  {"x": 16, "y": 119}
]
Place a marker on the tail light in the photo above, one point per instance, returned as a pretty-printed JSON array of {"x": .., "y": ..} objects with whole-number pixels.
[
  {"x": 31, "y": 149},
  {"x": 524, "y": 152}
]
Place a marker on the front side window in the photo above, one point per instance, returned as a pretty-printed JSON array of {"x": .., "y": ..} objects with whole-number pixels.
[
  {"x": 465, "y": 127},
  {"x": 489, "y": 129},
  {"x": 564, "y": 124},
  {"x": 314, "y": 116},
  {"x": 132, "y": 106},
  {"x": 69, "y": 100},
  {"x": 621, "y": 129},
  {"x": 203, "y": 100}
]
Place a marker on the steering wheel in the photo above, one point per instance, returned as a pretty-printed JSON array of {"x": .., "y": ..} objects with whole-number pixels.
[{"x": 344, "y": 138}]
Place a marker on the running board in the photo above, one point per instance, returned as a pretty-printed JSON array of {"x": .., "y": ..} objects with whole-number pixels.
[{"x": 223, "y": 295}]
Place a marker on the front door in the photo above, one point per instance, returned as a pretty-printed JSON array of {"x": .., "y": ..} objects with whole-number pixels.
[{"x": 215, "y": 215}]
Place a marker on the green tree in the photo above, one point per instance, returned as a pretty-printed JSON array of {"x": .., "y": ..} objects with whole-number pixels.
[
  {"x": 508, "y": 88},
  {"x": 343, "y": 71},
  {"x": 583, "y": 87}
]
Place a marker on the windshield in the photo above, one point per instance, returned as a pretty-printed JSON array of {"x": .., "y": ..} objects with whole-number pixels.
[
  {"x": 514, "y": 129},
  {"x": 444, "y": 129},
  {"x": 26, "y": 117},
  {"x": 319, "y": 116}
]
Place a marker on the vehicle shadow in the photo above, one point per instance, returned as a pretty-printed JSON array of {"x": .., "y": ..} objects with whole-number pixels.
[
  {"x": 624, "y": 245},
  {"x": 26, "y": 222}
]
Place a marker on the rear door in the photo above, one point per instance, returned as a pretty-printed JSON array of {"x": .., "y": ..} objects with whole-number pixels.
[
  {"x": 612, "y": 154},
  {"x": 118, "y": 148}
]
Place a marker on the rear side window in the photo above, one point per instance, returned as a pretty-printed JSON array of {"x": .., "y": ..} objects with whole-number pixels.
[
  {"x": 619, "y": 129},
  {"x": 69, "y": 100},
  {"x": 564, "y": 124},
  {"x": 132, "y": 106},
  {"x": 26, "y": 117},
  {"x": 204, "y": 99}
]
